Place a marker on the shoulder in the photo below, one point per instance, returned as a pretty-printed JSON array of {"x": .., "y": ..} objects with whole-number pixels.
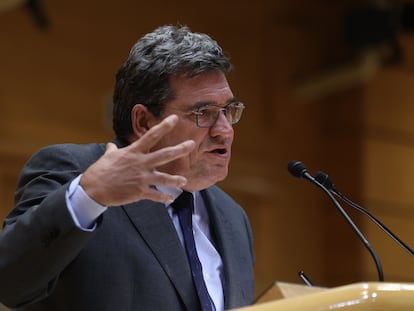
[
  {"x": 70, "y": 149},
  {"x": 53, "y": 166},
  {"x": 63, "y": 154}
]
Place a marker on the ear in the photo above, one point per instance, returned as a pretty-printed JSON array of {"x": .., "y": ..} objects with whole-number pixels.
[{"x": 141, "y": 119}]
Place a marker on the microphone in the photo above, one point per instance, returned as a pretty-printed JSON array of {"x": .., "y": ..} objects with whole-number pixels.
[
  {"x": 324, "y": 179},
  {"x": 298, "y": 169},
  {"x": 304, "y": 278}
]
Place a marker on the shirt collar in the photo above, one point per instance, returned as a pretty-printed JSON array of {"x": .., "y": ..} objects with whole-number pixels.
[{"x": 175, "y": 193}]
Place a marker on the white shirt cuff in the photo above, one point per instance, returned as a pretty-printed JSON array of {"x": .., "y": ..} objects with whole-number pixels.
[{"x": 83, "y": 209}]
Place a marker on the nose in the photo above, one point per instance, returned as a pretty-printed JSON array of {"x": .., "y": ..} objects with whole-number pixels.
[{"x": 222, "y": 127}]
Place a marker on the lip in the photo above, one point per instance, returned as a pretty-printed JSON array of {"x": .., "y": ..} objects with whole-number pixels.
[{"x": 220, "y": 151}]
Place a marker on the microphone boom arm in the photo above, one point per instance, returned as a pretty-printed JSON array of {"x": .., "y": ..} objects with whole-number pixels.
[
  {"x": 299, "y": 170},
  {"x": 374, "y": 255},
  {"x": 376, "y": 221},
  {"x": 324, "y": 179}
]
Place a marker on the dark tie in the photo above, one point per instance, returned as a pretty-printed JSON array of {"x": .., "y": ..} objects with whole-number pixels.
[{"x": 184, "y": 206}]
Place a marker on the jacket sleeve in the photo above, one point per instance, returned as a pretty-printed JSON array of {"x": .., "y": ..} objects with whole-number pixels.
[{"x": 39, "y": 238}]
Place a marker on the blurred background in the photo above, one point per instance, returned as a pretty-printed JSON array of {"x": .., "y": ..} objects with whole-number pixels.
[{"x": 329, "y": 83}]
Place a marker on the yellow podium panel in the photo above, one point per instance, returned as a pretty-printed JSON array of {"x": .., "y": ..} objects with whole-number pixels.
[{"x": 352, "y": 297}]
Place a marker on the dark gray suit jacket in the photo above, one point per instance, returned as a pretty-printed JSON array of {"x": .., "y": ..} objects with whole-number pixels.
[{"x": 132, "y": 261}]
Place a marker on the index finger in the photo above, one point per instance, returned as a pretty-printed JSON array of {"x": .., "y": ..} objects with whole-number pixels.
[{"x": 155, "y": 133}]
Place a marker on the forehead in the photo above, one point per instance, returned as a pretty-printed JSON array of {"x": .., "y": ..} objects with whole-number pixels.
[{"x": 210, "y": 87}]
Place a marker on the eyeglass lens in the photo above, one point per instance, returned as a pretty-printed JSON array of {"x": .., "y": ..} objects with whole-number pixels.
[{"x": 207, "y": 116}]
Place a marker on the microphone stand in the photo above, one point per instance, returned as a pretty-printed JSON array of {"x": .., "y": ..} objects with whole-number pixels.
[
  {"x": 297, "y": 169},
  {"x": 328, "y": 184}
]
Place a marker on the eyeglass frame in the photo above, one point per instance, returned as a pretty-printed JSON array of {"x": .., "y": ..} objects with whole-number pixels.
[{"x": 225, "y": 110}]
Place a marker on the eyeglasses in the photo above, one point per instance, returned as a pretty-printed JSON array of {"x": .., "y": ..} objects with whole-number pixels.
[{"x": 206, "y": 116}]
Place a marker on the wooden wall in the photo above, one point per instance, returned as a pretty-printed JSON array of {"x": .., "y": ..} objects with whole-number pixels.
[
  {"x": 388, "y": 162},
  {"x": 56, "y": 86}
]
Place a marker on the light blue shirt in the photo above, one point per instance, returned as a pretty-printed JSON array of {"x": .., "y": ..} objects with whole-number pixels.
[{"x": 85, "y": 211}]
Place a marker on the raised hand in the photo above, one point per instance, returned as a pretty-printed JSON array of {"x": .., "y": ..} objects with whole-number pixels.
[{"x": 127, "y": 174}]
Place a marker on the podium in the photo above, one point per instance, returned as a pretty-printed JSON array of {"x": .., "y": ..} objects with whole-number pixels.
[{"x": 353, "y": 297}]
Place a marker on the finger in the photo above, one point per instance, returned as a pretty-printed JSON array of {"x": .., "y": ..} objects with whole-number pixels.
[
  {"x": 168, "y": 154},
  {"x": 166, "y": 180},
  {"x": 155, "y": 133},
  {"x": 156, "y": 195}
]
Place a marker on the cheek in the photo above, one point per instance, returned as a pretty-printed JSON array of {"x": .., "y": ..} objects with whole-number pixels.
[
  {"x": 196, "y": 157},
  {"x": 196, "y": 154}
]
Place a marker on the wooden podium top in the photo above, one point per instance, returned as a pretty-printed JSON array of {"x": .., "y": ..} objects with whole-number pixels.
[
  {"x": 353, "y": 297},
  {"x": 280, "y": 290}
]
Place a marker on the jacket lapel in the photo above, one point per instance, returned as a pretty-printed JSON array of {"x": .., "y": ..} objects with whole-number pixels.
[
  {"x": 226, "y": 242},
  {"x": 154, "y": 224}
]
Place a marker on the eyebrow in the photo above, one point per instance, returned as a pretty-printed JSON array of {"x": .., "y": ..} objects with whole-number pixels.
[{"x": 199, "y": 105}]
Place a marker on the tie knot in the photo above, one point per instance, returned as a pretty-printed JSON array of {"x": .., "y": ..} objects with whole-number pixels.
[{"x": 184, "y": 200}]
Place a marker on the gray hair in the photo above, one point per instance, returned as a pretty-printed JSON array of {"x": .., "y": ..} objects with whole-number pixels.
[{"x": 144, "y": 77}]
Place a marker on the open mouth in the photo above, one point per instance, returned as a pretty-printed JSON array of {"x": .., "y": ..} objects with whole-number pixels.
[{"x": 220, "y": 151}]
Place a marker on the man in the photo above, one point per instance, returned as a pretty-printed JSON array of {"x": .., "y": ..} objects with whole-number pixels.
[{"x": 97, "y": 227}]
